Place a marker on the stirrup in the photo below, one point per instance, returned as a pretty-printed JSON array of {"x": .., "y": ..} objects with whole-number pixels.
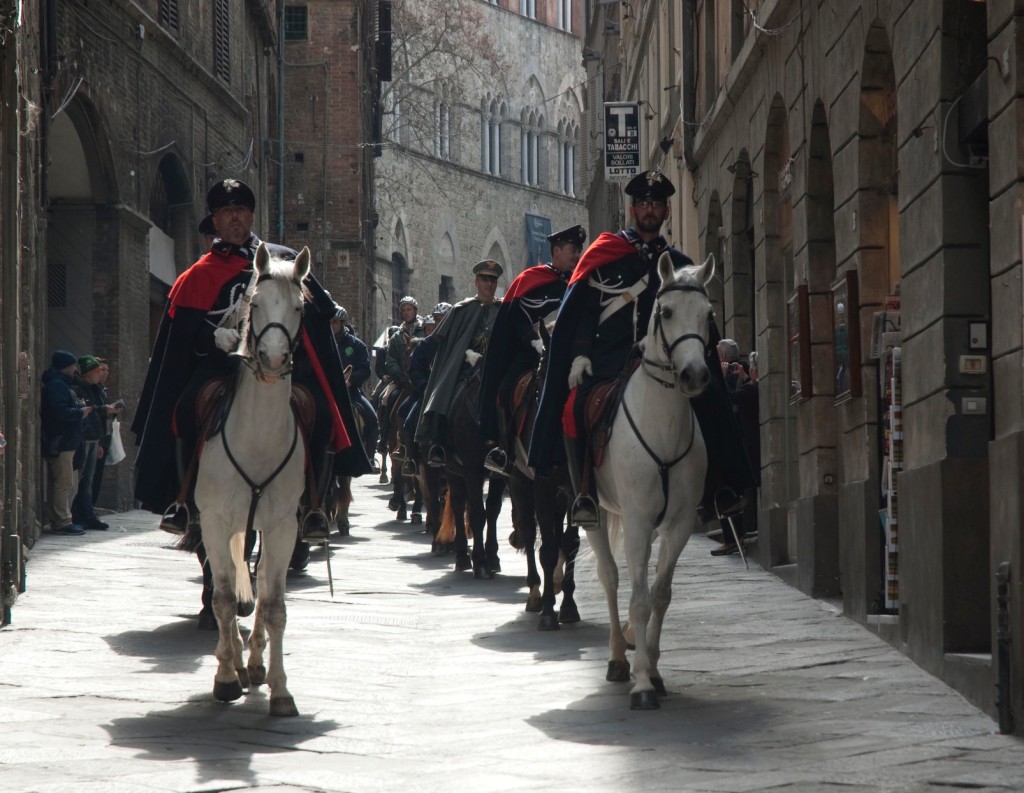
[
  {"x": 436, "y": 457},
  {"x": 409, "y": 467},
  {"x": 176, "y": 519},
  {"x": 496, "y": 461},
  {"x": 315, "y": 527},
  {"x": 584, "y": 513}
]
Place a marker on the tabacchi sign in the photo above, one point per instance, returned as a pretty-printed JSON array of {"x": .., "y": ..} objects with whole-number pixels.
[{"x": 621, "y": 140}]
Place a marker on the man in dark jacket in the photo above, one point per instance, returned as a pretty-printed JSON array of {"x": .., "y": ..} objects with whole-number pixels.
[
  {"x": 95, "y": 428},
  {"x": 62, "y": 414},
  {"x": 462, "y": 342},
  {"x": 353, "y": 353},
  {"x": 515, "y": 346},
  {"x": 605, "y": 312},
  {"x": 196, "y": 334}
]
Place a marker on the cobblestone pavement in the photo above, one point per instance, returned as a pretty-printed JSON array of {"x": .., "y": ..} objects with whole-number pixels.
[{"x": 416, "y": 678}]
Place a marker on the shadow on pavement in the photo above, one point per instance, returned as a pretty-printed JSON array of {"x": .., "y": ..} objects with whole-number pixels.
[
  {"x": 520, "y": 635},
  {"x": 177, "y": 647},
  {"x": 218, "y": 738},
  {"x": 698, "y": 716}
]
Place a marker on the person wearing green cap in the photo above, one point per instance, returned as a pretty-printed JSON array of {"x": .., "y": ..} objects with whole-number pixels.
[{"x": 90, "y": 391}]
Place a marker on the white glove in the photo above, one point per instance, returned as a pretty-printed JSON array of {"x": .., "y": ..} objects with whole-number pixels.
[
  {"x": 538, "y": 345},
  {"x": 472, "y": 358},
  {"x": 580, "y": 366},
  {"x": 226, "y": 338}
]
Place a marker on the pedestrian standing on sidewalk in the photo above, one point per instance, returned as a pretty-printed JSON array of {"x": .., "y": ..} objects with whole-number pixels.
[
  {"x": 90, "y": 390},
  {"x": 62, "y": 415}
]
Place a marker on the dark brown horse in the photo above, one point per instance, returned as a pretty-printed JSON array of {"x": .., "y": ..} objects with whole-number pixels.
[
  {"x": 466, "y": 474},
  {"x": 542, "y": 500}
]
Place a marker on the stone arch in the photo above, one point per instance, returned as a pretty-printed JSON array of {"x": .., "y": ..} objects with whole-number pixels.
[
  {"x": 780, "y": 474},
  {"x": 739, "y": 272},
  {"x": 496, "y": 247},
  {"x": 174, "y": 234},
  {"x": 81, "y": 222}
]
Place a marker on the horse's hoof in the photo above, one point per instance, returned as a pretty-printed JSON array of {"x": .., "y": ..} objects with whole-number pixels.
[
  {"x": 394, "y": 503},
  {"x": 482, "y": 571},
  {"x": 417, "y": 518},
  {"x": 643, "y": 700},
  {"x": 494, "y": 564},
  {"x": 243, "y": 678},
  {"x": 402, "y": 514},
  {"x": 463, "y": 562},
  {"x": 257, "y": 676},
  {"x": 283, "y": 706},
  {"x": 383, "y": 480},
  {"x": 227, "y": 692},
  {"x": 568, "y": 613},
  {"x": 548, "y": 622},
  {"x": 533, "y": 604},
  {"x": 515, "y": 540},
  {"x": 618, "y": 672},
  {"x": 659, "y": 686}
]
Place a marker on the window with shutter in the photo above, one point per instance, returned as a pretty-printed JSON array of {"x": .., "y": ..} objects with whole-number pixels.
[
  {"x": 221, "y": 40},
  {"x": 296, "y": 24},
  {"x": 169, "y": 15}
]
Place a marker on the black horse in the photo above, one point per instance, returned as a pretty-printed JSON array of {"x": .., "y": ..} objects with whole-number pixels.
[
  {"x": 466, "y": 474},
  {"x": 542, "y": 500}
]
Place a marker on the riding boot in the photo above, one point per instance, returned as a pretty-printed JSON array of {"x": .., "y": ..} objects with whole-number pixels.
[
  {"x": 183, "y": 513},
  {"x": 584, "y": 508},
  {"x": 315, "y": 526},
  {"x": 384, "y": 423}
]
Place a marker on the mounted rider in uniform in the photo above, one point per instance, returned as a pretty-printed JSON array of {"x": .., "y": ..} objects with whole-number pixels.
[
  {"x": 516, "y": 346},
  {"x": 605, "y": 313},
  {"x": 196, "y": 333},
  {"x": 396, "y": 364}
]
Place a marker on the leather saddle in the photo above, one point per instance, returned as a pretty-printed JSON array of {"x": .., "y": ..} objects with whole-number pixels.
[
  {"x": 214, "y": 399},
  {"x": 600, "y": 408}
]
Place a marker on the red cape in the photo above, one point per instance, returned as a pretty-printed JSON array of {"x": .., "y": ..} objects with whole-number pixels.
[
  {"x": 606, "y": 249},
  {"x": 199, "y": 286},
  {"x": 529, "y": 279}
]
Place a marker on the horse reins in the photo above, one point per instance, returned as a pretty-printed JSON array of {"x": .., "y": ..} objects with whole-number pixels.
[
  {"x": 664, "y": 466},
  {"x": 257, "y": 489}
]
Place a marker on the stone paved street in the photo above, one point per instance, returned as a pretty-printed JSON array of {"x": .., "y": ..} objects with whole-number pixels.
[{"x": 416, "y": 678}]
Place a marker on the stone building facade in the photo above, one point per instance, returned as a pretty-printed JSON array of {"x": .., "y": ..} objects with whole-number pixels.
[
  {"x": 327, "y": 203},
  {"x": 855, "y": 169},
  {"x": 115, "y": 120},
  {"x": 480, "y": 144}
]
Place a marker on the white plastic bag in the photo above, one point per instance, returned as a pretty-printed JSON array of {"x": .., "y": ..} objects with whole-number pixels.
[{"x": 116, "y": 452}]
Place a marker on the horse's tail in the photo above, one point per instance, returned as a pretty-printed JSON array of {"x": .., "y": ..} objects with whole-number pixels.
[
  {"x": 447, "y": 531},
  {"x": 243, "y": 584},
  {"x": 614, "y": 524}
]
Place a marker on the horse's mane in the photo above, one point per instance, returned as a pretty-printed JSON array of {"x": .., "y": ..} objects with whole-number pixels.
[{"x": 278, "y": 269}]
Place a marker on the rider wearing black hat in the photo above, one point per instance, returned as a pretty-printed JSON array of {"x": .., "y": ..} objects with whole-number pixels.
[
  {"x": 196, "y": 334},
  {"x": 605, "y": 312},
  {"x": 516, "y": 345}
]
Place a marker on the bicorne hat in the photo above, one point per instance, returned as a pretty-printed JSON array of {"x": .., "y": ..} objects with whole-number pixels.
[
  {"x": 228, "y": 193},
  {"x": 576, "y": 235},
  {"x": 653, "y": 185}
]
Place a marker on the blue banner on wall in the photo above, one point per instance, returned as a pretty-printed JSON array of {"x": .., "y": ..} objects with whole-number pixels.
[{"x": 538, "y": 251}]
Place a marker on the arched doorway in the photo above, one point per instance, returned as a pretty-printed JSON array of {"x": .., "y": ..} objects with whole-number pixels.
[
  {"x": 777, "y": 534},
  {"x": 818, "y": 527}
]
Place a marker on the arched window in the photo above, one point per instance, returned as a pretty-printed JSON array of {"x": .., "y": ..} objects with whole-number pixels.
[
  {"x": 528, "y": 8},
  {"x": 442, "y": 129},
  {"x": 531, "y": 148},
  {"x": 568, "y": 135},
  {"x": 565, "y": 15}
]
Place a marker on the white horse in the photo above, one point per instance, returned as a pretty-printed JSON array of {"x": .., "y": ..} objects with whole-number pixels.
[
  {"x": 251, "y": 474},
  {"x": 652, "y": 478}
]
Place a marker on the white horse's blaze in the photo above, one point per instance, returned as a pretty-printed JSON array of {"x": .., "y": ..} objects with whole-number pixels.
[
  {"x": 653, "y": 475},
  {"x": 256, "y": 464}
]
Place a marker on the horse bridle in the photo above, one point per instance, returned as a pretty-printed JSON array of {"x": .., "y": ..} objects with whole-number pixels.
[
  {"x": 257, "y": 489},
  {"x": 667, "y": 348},
  {"x": 253, "y": 339},
  {"x": 664, "y": 466}
]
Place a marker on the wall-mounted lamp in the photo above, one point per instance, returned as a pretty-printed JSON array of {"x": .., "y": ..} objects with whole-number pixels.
[
  {"x": 629, "y": 11},
  {"x": 651, "y": 112},
  {"x": 666, "y": 144}
]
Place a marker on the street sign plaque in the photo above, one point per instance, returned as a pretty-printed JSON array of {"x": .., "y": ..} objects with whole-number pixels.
[{"x": 621, "y": 140}]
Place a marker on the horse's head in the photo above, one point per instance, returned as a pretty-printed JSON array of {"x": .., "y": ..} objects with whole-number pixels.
[
  {"x": 275, "y": 312},
  {"x": 678, "y": 332}
]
